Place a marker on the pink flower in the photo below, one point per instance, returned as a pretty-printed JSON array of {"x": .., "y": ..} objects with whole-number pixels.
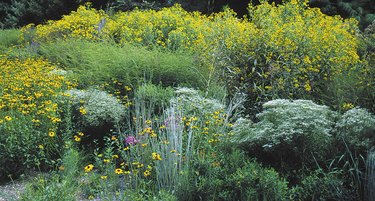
[{"x": 130, "y": 140}]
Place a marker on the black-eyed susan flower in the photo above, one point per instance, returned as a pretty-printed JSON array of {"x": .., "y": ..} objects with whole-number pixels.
[
  {"x": 51, "y": 134},
  {"x": 156, "y": 156},
  {"x": 147, "y": 173},
  {"x": 77, "y": 139},
  {"x": 89, "y": 167},
  {"x": 119, "y": 171},
  {"x": 8, "y": 118}
]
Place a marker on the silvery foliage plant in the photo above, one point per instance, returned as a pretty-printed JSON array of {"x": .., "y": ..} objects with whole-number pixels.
[
  {"x": 192, "y": 102},
  {"x": 357, "y": 128},
  {"x": 100, "y": 106},
  {"x": 298, "y": 124}
]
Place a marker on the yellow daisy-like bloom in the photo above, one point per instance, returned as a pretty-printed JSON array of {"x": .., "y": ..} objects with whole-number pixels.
[
  {"x": 114, "y": 138},
  {"x": 127, "y": 88},
  {"x": 104, "y": 177},
  {"x": 119, "y": 171},
  {"x": 61, "y": 168},
  {"x": 81, "y": 134},
  {"x": 41, "y": 146},
  {"x": 140, "y": 165},
  {"x": 126, "y": 148},
  {"x": 77, "y": 139},
  {"x": 156, "y": 156},
  {"x": 89, "y": 167},
  {"x": 51, "y": 134},
  {"x": 115, "y": 156},
  {"x": 147, "y": 173},
  {"x": 8, "y": 118},
  {"x": 82, "y": 110},
  {"x": 106, "y": 160}
]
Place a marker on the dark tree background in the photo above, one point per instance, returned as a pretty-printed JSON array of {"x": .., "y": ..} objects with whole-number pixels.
[{"x": 16, "y": 13}]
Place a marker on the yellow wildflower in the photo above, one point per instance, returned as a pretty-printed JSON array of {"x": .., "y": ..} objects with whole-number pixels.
[
  {"x": 119, "y": 171},
  {"x": 51, "y": 134},
  {"x": 89, "y": 167}
]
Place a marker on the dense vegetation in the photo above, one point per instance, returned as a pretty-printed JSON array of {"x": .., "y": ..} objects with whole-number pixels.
[
  {"x": 16, "y": 13},
  {"x": 174, "y": 105}
]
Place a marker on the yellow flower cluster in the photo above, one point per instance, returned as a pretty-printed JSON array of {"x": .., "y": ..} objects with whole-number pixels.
[
  {"x": 30, "y": 88},
  {"x": 156, "y": 156},
  {"x": 83, "y": 23},
  {"x": 302, "y": 45},
  {"x": 288, "y": 47}
]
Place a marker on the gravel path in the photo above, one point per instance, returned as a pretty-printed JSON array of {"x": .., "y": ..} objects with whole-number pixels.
[{"x": 11, "y": 191}]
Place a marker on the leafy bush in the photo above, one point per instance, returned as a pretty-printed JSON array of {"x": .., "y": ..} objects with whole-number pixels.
[
  {"x": 322, "y": 186},
  {"x": 289, "y": 133},
  {"x": 230, "y": 176}
]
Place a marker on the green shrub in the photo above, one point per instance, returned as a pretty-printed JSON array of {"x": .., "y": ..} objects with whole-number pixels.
[
  {"x": 292, "y": 133},
  {"x": 322, "y": 186},
  {"x": 230, "y": 176}
]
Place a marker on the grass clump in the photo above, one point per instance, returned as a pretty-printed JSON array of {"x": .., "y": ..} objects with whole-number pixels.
[
  {"x": 100, "y": 63},
  {"x": 9, "y": 38}
]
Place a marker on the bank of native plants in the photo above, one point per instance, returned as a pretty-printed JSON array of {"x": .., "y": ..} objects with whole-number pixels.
[{"x": 109, "y": 99}]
